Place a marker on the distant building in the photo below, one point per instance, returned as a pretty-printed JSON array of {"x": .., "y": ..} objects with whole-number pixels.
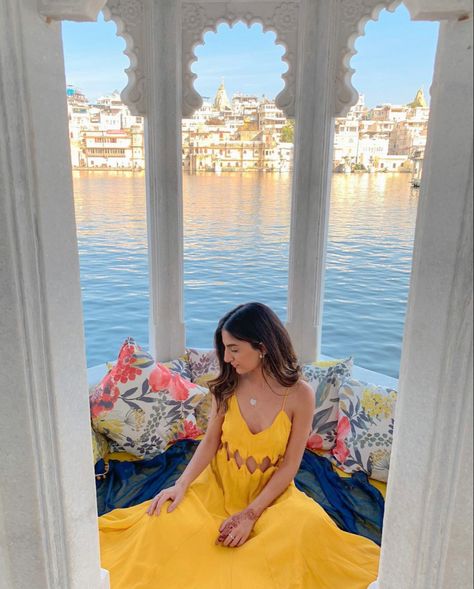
[
  {"x": 115, "y": 149},
  {"x": 346, "y": 140}
]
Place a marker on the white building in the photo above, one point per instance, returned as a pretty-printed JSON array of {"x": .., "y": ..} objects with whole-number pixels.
[
  {"x": 271, "y": 117},
  {"x": 285, "y": 156},
  {"x": 107, "y": 149},
  {"x": 245, "y": 105},
  {"x": 392, "y": 163},
  {"x": 372, "y": 146},
  {"x": 359, "y": 110},
  {"x": 78, "y": 117},
  {"x": 346, "y": 141},
  {"x": 388, "y": 112}
]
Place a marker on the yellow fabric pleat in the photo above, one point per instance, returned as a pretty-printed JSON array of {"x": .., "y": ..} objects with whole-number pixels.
[{"x": 294, "y": 544}]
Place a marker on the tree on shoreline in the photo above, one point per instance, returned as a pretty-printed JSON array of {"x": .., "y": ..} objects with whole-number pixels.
[{"x": 288, "y": 132}]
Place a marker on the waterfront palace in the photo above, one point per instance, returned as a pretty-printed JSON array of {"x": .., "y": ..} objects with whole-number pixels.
[{"x": 246, "y": 134}]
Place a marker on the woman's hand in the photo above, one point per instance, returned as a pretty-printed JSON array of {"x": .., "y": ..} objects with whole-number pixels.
[
  {"x": 235, "y": 530},
  {"x": 175, "y": 493}
]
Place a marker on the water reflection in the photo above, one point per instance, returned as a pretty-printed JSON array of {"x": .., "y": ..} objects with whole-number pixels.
[{"x": 236, "y": 233}]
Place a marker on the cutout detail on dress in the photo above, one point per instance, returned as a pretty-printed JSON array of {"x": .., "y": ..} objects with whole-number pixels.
[{"x": 250, "y": 462}]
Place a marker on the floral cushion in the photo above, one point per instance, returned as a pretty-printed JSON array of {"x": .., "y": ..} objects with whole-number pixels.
[
  {"x": 365, "y": 429},
  {"x": 181, "y": 366},
  {"x": 204, "y": 365},
  {"x": 143, "y": 406},
  {"x": 100, "y": 446},
  {"x": 325, "y": 378}
]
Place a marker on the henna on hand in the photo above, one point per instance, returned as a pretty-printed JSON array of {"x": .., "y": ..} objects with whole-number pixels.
[
  {"x": 225, "y": 532},
  {"x": 247, "y": 514},
  {"x": 251, "y": 514}
]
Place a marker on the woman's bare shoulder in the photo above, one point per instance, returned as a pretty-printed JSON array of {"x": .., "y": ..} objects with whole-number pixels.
[{"x": 302, "y": 398}]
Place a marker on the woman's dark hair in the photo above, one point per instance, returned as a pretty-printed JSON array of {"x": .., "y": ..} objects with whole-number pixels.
[{"x": 260, "y": 326}]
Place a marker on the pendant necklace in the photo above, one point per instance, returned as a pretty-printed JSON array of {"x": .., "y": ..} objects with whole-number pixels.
[{"x": 253, "y": 400}]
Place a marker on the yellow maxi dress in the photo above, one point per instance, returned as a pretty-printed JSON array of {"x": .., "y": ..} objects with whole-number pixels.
[{"x": 293, "y": 545}]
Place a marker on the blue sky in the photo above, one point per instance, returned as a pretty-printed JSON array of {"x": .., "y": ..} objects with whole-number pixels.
[{"x": 394, "y": 59}]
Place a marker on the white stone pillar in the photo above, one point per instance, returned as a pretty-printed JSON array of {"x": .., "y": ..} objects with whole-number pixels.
[
  {"x": 427, "y": 539},
  {"x": 48, "y": 523},
  {"x": 311, "y": 176},
  {"x": 164, "y": 178}
]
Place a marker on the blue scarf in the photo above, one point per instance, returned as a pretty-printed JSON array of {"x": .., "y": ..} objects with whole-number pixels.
[{"x": 353, "y": 503}]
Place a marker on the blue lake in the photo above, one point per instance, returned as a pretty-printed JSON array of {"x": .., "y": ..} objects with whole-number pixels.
[{"x": 236, "y": 234}]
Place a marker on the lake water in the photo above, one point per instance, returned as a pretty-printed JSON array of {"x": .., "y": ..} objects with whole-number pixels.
[{"x": 236, "y": 233}]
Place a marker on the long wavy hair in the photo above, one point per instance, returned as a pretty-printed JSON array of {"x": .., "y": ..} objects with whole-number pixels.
[{"x": 258, "y": 325}]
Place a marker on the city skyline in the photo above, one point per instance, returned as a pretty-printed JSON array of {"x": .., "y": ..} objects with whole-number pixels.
[
  {"x": 247, "y": 133},
  {"x": 394, "y": 58}
]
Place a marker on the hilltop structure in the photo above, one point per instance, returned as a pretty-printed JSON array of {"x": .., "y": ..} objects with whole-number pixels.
[
  {"x": 221, "y": 101},
  {"x": 420, "y": 101}
]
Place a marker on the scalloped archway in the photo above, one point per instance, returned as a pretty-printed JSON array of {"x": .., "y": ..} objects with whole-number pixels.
[{"x": 197, "y": 20}]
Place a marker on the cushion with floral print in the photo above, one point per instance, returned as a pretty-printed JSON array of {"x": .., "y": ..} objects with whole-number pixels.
[
  {"x": 181, "y": 366},
  {"x": 100, "y": 445},
  {"x": 325, "y": 377},
  {"x": 365, "y": 429},
  {"x": 143, "y": 406},
  {"x": 204, "y": 365}
]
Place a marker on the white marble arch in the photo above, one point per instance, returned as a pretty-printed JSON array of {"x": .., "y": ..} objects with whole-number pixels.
[
  {"x": 48, "y": 536},
  {"x": 319, "y": 38}
]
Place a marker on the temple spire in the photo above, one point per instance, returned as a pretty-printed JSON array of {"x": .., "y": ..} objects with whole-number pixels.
[
  {"x": 221, "y": 101},
  {"x": 420, "y": 101}
]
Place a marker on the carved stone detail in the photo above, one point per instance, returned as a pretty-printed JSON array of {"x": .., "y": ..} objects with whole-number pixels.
[
  {"x": 193, "y": 18},
  {"x": 78, "y": 10},
  {"x": 286, "y": 17},
  {"x": 198, "y": 18},
  {"x": 131, "y": 11},
  {"x": 279, "y": 17},
  {"x": 129, "y": 16},
  {"x": 353, "y": 16}
]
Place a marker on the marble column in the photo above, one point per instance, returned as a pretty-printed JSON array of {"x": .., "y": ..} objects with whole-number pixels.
[
  {"x": 48, "y": 518},
  {"x": 162, "y": 35},
  {"x": 311, "y": 176},
  {"x": 427, "y": 540}
]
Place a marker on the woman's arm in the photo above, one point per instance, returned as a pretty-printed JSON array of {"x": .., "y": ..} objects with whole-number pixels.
[
  {"x": 201, "y": 458},
  {"x": 206, "y": 449},
  {"x": 301, "y": 429}
]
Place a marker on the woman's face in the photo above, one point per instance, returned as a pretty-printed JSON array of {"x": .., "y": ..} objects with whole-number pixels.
[{"x": 243, "y": 357}]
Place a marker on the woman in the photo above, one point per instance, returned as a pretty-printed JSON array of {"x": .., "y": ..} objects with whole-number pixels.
[{"x": 234, "y": 519}]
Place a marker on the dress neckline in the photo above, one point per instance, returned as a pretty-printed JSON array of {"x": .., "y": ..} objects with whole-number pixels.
[{"x": 282, "y": 410}]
